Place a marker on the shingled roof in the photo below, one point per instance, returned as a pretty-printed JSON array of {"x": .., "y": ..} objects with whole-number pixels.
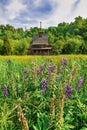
[{"x": 40, "y": 40}]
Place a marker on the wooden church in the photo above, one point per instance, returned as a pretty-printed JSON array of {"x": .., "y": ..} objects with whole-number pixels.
[{"x": 40, "y": 44}]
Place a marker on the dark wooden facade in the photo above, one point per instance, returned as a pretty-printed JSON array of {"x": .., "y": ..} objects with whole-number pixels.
[{"x": 40, "y": 44}]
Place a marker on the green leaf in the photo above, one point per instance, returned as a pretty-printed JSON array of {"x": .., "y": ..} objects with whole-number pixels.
[{"x": 35, "y": 128}]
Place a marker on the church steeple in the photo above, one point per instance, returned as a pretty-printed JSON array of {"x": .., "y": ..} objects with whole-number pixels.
[
  {"x": 40, "y": 44},
  {"x": 40, "y": 30}
]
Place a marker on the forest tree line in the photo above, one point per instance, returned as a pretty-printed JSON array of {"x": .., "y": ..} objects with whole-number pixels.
[{"x": 66, "y": 38}]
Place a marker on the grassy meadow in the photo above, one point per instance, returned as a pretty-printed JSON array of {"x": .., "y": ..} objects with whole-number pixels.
[{"x": 43, "y": 92}]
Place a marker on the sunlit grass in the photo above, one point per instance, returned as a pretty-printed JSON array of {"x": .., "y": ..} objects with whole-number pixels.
[{"x": 26, "y": 59}]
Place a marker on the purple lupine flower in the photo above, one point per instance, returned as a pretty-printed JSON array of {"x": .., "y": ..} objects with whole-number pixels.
[
  {"x": 63, "y": 61},
  {"x": 38, "y": 72},
  {"x": 43, "y": 85},
  {"x": 42, "y": 67},
  {"x": 51, "y": 68},
  {"x": 5, "y": 90},
  {"x": 68, "y": 91},
  {"x": 80, "y": 81}
]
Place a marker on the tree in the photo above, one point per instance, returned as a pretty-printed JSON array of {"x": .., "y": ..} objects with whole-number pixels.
[
  {"x": 73, "y": 45},
  {"x": 9, "y": 27},
  {"x": 6, "y": 46},
  {"x": 57, "y": 47},
  {"x": 1, "y": 47}
]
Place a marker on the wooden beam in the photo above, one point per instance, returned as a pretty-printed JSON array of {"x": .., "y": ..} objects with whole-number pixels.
[{"x": 46, "y": 48}]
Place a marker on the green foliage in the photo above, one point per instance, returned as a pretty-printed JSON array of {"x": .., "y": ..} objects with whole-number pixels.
[
  {"x": 6, "y": 115},
  {"x": 66, "y": 38},
  {"x": 21, "y": 47},
  {"x": 6, "y": 46},
  {"x": 28, "y": 106},
  {"x": 73, "y": 45},
  {"x": 1, "y": 47},
  {"x": 14, "y": 41},
  {"x": 74, "y": 36},
  {"x": 58, "y": 46}
]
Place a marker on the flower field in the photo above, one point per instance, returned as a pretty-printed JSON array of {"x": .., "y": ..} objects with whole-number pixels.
[{"x": 43, "y": 92}]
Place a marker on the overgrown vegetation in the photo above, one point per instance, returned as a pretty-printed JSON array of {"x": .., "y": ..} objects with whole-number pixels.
[
  {"x": 49, "y": 94},
  {"x": 13, "y": 41},
  {"x": 69, "y": 38},
  {"x": 66, "y": 38}
]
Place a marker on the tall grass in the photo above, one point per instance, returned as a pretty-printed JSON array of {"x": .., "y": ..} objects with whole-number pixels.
[{"x": 43, "y": 93}]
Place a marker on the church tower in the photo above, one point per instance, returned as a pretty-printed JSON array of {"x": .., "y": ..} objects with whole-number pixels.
[{"x": 40, "y": 44}]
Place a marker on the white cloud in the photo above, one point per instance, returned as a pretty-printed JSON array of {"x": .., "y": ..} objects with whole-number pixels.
[
  {"x": 81, "y": 10},
  {"x": 14, "y": 8},
  {"x": 3, "y": 20},
  {"x": 62, "y": 10},
  {"x": 37, "y": 3}
]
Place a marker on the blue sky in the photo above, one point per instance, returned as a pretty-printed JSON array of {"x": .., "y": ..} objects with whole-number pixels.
[{"x": 29, "y": 13}]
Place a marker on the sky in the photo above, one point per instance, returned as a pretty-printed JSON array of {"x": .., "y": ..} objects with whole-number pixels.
[{"x": 29, "y": 13}]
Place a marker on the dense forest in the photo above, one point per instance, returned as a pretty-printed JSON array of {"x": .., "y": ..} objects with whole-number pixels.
[{"x": 66, "y": 38}]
